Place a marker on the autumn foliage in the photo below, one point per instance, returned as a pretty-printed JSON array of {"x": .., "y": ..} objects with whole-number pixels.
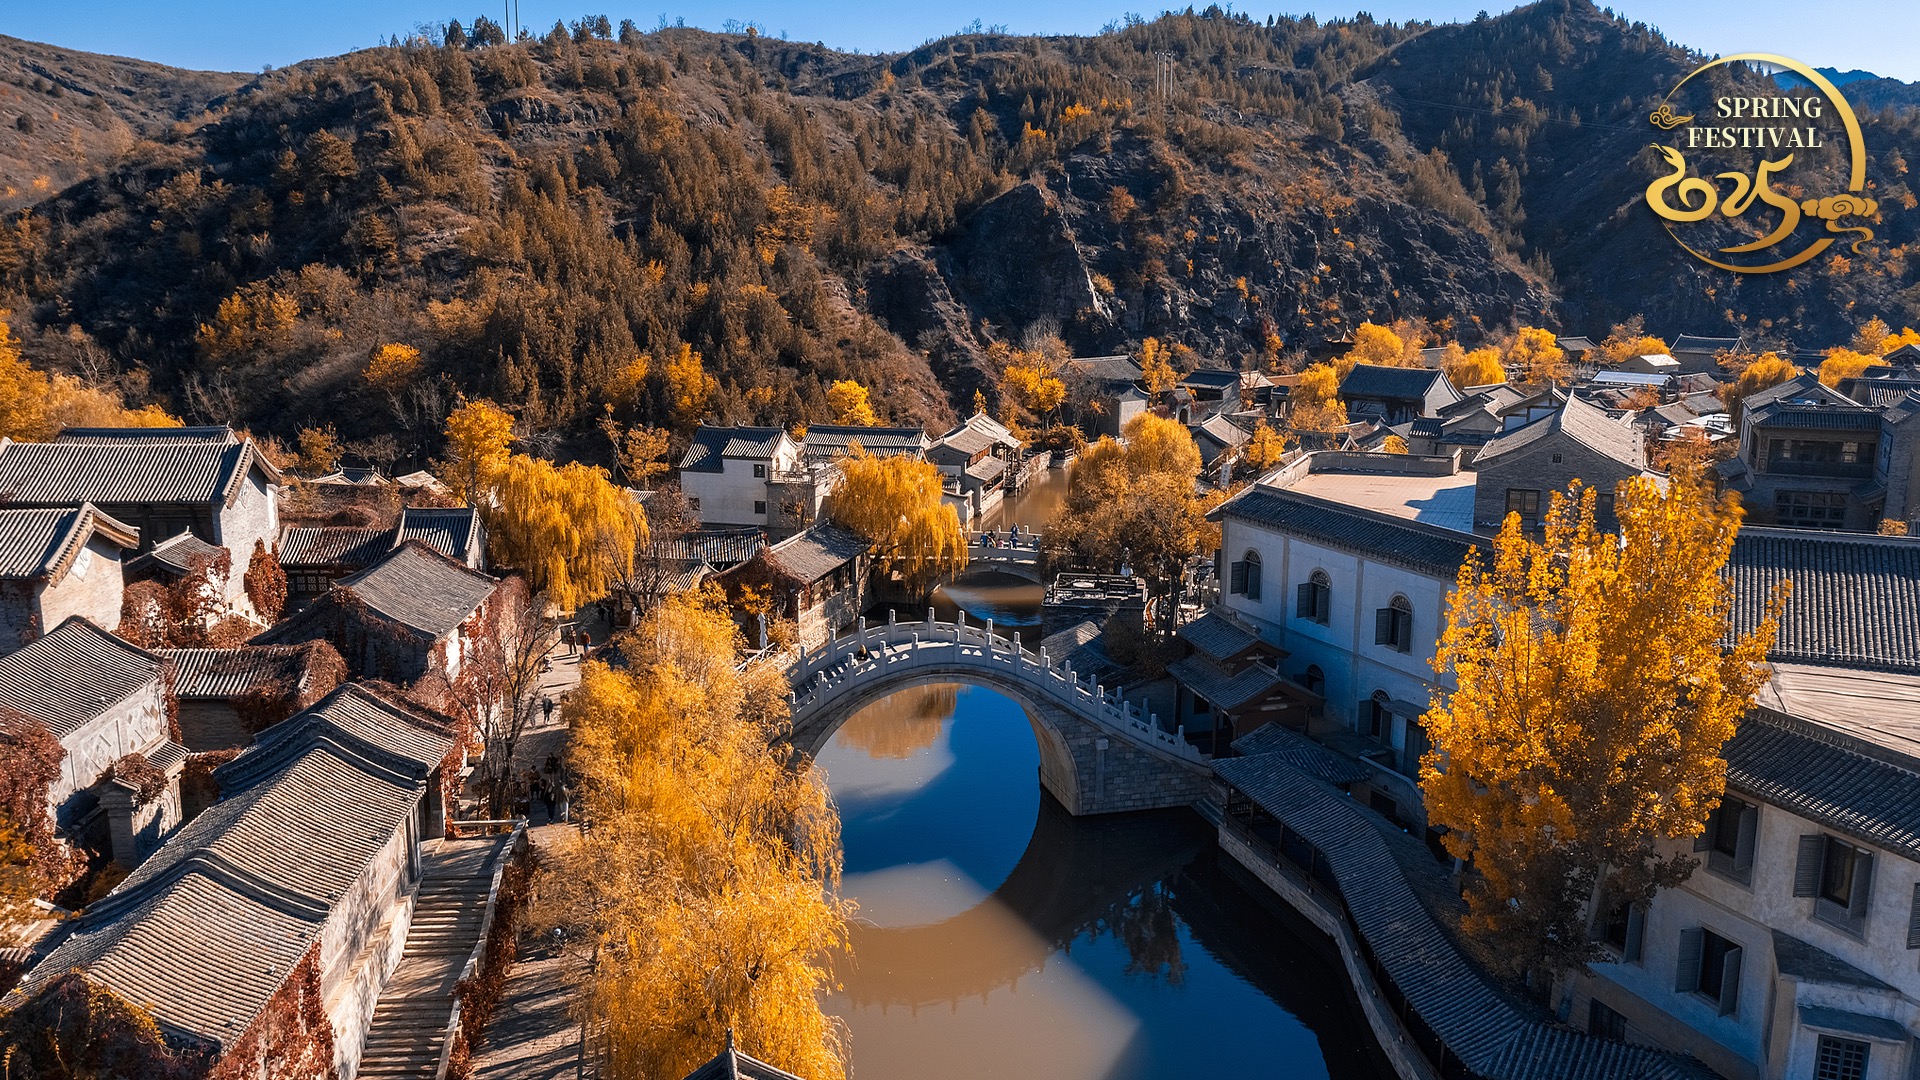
[
  {"x": 895, "y": 502},
  {"x": 704, "y": 892},
  {"x": 1594, "y": 696},
  {"x": 35, "y": 405}
]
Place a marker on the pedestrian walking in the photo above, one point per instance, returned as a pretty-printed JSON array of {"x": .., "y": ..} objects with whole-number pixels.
[{"x": 550, "y": 801}]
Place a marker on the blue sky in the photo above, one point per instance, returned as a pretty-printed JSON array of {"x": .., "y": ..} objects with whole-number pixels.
[{"x": 245, "y": 35}]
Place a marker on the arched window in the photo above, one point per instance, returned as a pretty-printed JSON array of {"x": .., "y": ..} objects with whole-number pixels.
[
  {"x": 1243, "y": 577},
  {"x": 1375, "y": 718},
  {"x": 1314, "y": 598},
  {"x": 1393, "y": 624},
  {"x": 1314, "y": 679}
]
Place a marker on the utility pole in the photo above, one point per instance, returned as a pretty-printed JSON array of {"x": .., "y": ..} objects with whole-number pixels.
[{"x": 1163, "y": 62}]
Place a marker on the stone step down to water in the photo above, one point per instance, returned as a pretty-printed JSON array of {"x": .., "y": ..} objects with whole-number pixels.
[{"x": 407, "y": 1035}]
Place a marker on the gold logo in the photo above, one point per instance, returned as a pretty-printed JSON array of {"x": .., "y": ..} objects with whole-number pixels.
[{"x": 1779, "y": 126}]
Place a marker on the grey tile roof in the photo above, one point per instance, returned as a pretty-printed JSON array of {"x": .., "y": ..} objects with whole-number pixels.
[
  {"x": 42, "y": 474},
  {"x": 177, "y": 554},
  {"x": 992, "y": 429},
  {"x": 206, "y": 929},
  {"x": 73, "y": 674},
  {"x": 227, "y": 673},
  {"x": 1381, "y": 381},
  {"x": 1211, "y": 379},
  {"x": 1492, "y": 1036},
  {"x": 420, "y": 588},
  {"x": 723, "y": 547},
  {"x": 1271, "y": 743},
  {"x": 1881, "y": 393},
  {"x": 1576, "y": 343},
  {"x": 1801, "y": 388},
  {"x": 825, "y": 442},
  {"x": 1425, "y": 548},
  {"x": 1225, "y": 691},
  {"x": 219, "y": 433},
  {"x": 987, "y": 468},
  {"x": 332, "y": 545},
  {"x": 966, "y": 440},
  {"x": 1217, "y": 636},
  {"x": 1823, "y": 776},
  {"x": 812, "y": 555},
  {"x": 1855, "y": 599},
  {"x": 42, "y": 543},
  {"x": 712, "y": 444},
  {"x": 1586, "y": 424},
  {"x": 1222, "y": 430},
  {"x": 354, "y": 477},
  {"x": 451, "y": 531},
  {"x": 731, "y": 1064},
  {"x": 1108, "y": 369},
  {"x": 1798, "y": 959},
  {"x": 1696, "y": 343}
]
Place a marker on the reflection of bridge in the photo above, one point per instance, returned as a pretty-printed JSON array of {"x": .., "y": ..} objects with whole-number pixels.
[
  {"x": 1098, "y": 752},
  {"x": 1072, "y": 876}
]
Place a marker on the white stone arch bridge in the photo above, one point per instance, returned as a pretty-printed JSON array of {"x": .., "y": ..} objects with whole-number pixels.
[{"x": 1099, "y": 753}]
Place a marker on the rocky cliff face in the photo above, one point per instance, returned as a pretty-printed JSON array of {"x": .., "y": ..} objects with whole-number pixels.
[{"x": 533, "y": 216}]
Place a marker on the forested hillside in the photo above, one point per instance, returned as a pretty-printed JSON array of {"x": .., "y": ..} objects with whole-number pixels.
[{"x": 660, "y": 227}]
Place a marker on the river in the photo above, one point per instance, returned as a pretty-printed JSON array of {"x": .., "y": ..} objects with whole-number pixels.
[{"x": 998, "y": 936}]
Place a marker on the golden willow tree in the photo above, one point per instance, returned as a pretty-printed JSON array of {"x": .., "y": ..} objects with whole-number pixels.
[
  {"x": 1596, "y": 687},
  {"x": 705, "y": 892},
  {"x": 895, "y": 502},
  {"x": 572, "y": 530}
]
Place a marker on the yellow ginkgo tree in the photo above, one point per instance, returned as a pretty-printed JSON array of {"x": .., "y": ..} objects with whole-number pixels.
[{"x": 1597, "y": 681}]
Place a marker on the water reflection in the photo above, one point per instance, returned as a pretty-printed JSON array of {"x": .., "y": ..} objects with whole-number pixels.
[
  {"x": 1000, "y": 936},
  {"x": 1012, "y": 603}
]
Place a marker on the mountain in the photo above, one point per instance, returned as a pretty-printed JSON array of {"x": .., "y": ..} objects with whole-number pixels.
[
  {"x": 64, "y": 114},
  {"x": 535, "y": 216}
]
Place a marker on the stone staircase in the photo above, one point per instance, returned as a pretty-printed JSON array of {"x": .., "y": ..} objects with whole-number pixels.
[{"x": 408, "y": 1033}]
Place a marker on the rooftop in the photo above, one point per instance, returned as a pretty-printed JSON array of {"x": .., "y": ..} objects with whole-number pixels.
[
  {"x": 826, "y": 441},
  {"x": 712, "y": 445},
  {"x": 812, "y": 555},
  {"x": 1414, "y": 545},
  {"x": 149, "y": 470},
  {"x": 1696, "y": 344},
  {"x": 412, "y": 585},
  {"x": 218, "y": 433},
  {"x": 206, "y": 929},
  {"x": 73, "y": 674},
  {"x": 451, "y": 531},
  {"x": 1108, "y": 369},
  {"x": 43, "y": 543},
  {"x": 1586, "y": 424},
  {"x": 332, "y": 545},
  {"x": 178, "y": 554},
  {"x": 228, "y": 673},
  {"x": 1828, "y": 778},
  {"x": 1855, "y": 601},
  {"x": 1443, "y": 501},
  {"x": 1381, "y": 381}
]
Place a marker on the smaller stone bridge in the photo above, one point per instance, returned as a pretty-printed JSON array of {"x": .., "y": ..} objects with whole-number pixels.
[
  {"x": 1003, "y": 553},
  {"x": 1099, "y": 753}
]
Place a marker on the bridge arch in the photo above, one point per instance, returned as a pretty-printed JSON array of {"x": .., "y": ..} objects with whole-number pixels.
[
  {"x": 1057, "y": 772},
  {"x": 1098, "y": 753}
]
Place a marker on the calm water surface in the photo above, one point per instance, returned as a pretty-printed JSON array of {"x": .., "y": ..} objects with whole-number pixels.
[{"x": 1000, "y": 937}]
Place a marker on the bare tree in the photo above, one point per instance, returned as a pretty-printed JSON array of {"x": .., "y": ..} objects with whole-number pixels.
[
  {"x": 663, "y": 558},
  {"x": 498, "y": 690}
]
